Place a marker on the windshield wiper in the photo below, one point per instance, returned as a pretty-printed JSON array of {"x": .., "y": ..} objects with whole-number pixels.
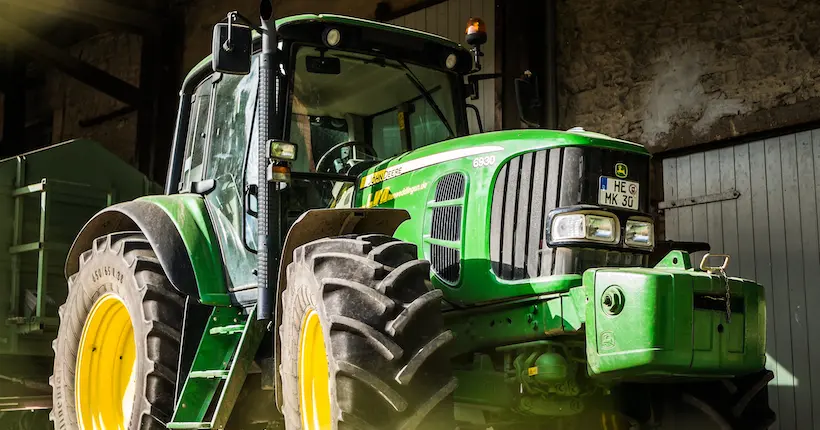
[{"x": 420, "y": 87}]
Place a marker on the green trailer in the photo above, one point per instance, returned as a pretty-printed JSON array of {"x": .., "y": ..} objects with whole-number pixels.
[
  {"x": 45, "y": 198},
  {"x": 335, "y": 250}
]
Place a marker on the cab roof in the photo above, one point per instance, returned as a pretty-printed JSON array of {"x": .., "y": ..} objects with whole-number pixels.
[
  {"x": 341, "y": 19},
  {"x": 348, "y": 20}
]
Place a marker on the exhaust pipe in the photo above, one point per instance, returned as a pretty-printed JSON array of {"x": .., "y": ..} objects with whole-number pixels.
[{"x": 269, "y": 203}]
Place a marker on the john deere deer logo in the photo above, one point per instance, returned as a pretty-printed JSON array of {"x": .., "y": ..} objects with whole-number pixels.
[{"x": 621, "y": 170}]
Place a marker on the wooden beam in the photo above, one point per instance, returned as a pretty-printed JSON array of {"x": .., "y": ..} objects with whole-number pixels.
[
  {"x": 94, "y": 12},
  {"x": 39, "y": 50}
]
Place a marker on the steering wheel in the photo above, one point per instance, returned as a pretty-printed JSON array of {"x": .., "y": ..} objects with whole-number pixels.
[{"x": 350, "y": 143}]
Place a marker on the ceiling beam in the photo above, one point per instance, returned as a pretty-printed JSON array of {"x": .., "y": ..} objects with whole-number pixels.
[
  {"x": 42, "y": 51},
  {"x": 94, "y": 12}
]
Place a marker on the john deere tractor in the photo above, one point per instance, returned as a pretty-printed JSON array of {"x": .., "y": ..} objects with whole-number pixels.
[{"x": 335, "y": 251}]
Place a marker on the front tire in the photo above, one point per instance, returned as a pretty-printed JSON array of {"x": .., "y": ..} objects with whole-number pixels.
[
  {"x": 363, "y": 339},
  {"x": 118, "y": 342}
]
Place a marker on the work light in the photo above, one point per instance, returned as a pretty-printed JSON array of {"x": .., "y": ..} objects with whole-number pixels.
[
  {"x": 282, "y": 150},
  {"x": 451, "y": 61},
  {"x": 332, "y": 37}
]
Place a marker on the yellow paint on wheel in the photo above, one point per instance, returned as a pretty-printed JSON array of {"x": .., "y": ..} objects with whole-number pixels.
[
  {"x": 105, "y": 375},
  {"x": 314, "y": 375}
]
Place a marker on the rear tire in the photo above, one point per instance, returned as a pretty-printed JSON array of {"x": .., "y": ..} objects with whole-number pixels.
[
  {"x": 388, "y": 365},
  {"x": 122, "y": 266}
]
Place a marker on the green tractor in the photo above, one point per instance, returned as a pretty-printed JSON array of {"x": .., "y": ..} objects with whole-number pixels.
[{"x": 335, "y": 251}]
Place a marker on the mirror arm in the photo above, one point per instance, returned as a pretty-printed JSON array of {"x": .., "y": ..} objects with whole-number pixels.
[
  {"x": 477, "y": 54},
  {"x": 474, "y": 108},
  {"x": 235, "y": 16},
  {"x": 472, "y": 83},
  {"x": 228, "y": 45}
]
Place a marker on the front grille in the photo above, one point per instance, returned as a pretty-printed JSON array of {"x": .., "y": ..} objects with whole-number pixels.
[
  {"x": 446, "y": 223},
  {"x": 450, "y": 187},
  {"x": 446, "y": 262},
  {"x": 529, "y": 186}
]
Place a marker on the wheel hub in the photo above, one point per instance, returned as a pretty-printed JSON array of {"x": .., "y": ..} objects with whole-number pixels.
[
  {"x": 105, "y": 373},
  {"x": 314, "y": 375}
]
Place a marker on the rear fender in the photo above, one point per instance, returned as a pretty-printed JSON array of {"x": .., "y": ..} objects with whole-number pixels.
[
  {"x": 179, "y": 230},
  {"x": 318, "y": 224}
]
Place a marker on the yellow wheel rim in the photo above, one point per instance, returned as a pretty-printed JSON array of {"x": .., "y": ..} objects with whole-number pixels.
[
  {"x": 105, "y": 374},
  {"x": 314, "y": 375}
]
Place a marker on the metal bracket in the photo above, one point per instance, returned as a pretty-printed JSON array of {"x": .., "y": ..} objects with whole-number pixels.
[{"x": 732, "y": 194}]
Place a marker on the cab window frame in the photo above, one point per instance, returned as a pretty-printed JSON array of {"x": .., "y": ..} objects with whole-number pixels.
[{"x": 290, "y": 50}]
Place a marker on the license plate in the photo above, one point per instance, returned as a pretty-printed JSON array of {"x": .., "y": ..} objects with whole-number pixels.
[{"x": 618, "y": 193}]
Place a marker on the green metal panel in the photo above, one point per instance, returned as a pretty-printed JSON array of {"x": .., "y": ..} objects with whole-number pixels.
[
  {"x": 522, "y": 320},
  {"x": 673, "y": 323},
  {"x": 190, "y": 216},
  {"x": 413, "y": 189},
  {"x": 46, "y": 196}
]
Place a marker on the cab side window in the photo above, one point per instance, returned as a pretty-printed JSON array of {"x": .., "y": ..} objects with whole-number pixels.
[
  {"x": 194, "y": 160},
  {"x": 230, "y": 138}
]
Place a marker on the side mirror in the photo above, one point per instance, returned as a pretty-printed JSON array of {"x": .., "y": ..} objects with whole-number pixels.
[
  {"x": 231, "y": 47},
  {"x": 527, "y": 99}
]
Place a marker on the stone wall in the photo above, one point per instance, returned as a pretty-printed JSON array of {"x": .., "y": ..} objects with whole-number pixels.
[{"x": 676, "y": 73}]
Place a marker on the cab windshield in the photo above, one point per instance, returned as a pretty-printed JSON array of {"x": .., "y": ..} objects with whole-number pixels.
[{"x": 349, "y": 110}]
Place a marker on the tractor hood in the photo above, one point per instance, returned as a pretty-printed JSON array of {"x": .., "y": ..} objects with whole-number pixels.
[
  {"x": 481, "y": 207},
  {"x": 499, "y": 143}
]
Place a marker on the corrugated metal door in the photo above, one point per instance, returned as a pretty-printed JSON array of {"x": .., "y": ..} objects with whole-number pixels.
[
  {"x": 771, "y": 231},
  {"x": 449, "y": 19}
]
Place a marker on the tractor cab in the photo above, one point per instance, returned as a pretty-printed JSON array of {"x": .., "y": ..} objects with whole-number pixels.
[{"x": 352, "y": 94}]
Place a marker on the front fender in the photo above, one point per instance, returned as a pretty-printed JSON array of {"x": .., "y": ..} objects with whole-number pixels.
[{"x": 181, "y": 233}]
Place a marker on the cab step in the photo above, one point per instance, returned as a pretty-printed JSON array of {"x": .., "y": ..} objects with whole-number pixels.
[
  {"x": 189, "y": 425},
  {"x": 209, "y": 374},
  {"x": 225, "y": 353}
]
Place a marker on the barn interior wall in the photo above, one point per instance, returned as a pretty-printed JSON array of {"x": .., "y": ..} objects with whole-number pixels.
[
  {"x": 666, "y": 74},
  {"x": 77, "y": 110},
  {"x": 671, "y": 74},
  {"x": 77, "y": 107}
]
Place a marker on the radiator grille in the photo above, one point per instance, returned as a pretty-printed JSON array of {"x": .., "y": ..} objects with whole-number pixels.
[
  {"x": 527, "y": 189},
  {"x": 446, "y": 262},
  {"x": 446, "y": 223},
  {"x": 450, "y": 187}
]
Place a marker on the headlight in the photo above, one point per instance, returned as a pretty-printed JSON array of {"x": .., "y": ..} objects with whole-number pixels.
[
  {"x": 596, "y": 228},
  {"x": 639, "y": 234}
]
